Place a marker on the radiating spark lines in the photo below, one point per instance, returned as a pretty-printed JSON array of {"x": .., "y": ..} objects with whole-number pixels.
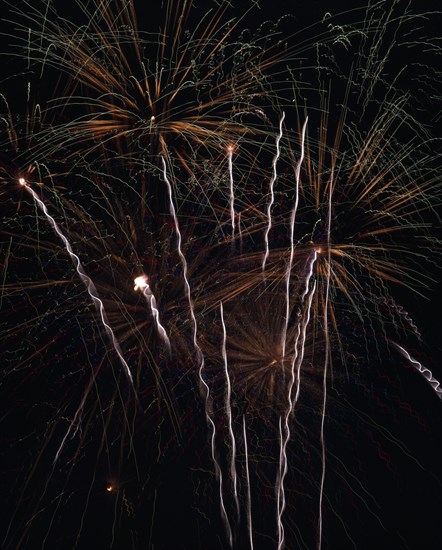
[{"x": 83, "y": 276}]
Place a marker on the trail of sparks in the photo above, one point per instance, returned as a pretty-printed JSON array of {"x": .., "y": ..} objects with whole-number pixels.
[
  {"x": 326, "y": 358},
  {"x": 142, "y": 284},
  {"x": 232, "y": 194},
  {"x": 84, "y": 277},
  {"x": 272, "y": 194},
  {"x": 297, "y": 360},
  {"x": 292, "y": 242},
  {"x": 304, "y": 332},
  {"x": 426, "y": 373},
  {"x": 249, "y": 497},
  {"x": 228, "y": 397},
  {"x": 200, "y": 356}
]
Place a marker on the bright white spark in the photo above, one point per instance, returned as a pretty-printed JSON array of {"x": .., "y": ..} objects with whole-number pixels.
[
  {"x": 272, "y": 194},
  {"x": 142, "y": 284}
]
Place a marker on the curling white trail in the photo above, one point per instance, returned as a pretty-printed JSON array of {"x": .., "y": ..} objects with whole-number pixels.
[
  {"x": 199, "y": 353},
  {"x": 297, "y": 360},
  {"x": 326, "y": 358},
  {"x": 232, "y": 194},
  {"x": 249, "y": 497},
  {"x": 304, "y": 329},
  {"x": 142, "y": 284},
  {"x": 83, "y": 276},
  {"x": 426, "y": 373},
  {"x": 272, "y": 194},
  {"x": 292, "y": 242},
  {"x": 228, "y": 406}
]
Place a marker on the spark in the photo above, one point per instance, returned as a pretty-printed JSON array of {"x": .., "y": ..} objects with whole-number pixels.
[{"x": 142, "y": 284}]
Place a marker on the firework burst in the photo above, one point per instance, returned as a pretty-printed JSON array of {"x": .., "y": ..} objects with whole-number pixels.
[{"x": 216, "y": 222}]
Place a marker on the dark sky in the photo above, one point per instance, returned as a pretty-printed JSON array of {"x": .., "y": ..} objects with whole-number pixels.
[{"x": 125, "y": 478}]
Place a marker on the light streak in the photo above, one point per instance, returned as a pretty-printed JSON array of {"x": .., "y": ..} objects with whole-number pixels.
[
  {"x": 142, "y": 284},
  {"x": 83, "y": 276},
  {"x": 272, "y": 194},
  {"x": 200, "y": 356},
  {"x": 426, "y": 373},
  {"x": 232, "y": 194},
  {"x": 283, "y": 463},
  {"x": 249, "y": 497},
  {"x": 227, "y": 400},
  {"x": 326, "y": 354},
  {"x": 292, "y": 242}
]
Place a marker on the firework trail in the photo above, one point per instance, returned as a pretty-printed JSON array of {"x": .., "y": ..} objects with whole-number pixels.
[
  {"x": 142, "y": 284},
  {"x": 249, "y": 497},
  {"x": 228, "y": 406},
  {"x": 284, "y": 430},
  {"x": 232, "y": 194},
  {"x": 272, "y": 193},
  {"x": 326, "y": 355},
  {"x": 426, "y": 373},
  {"x": 288, "y": 272},
  {"x": 84, "y": 277},
  {"x": 200, "y": 356}
]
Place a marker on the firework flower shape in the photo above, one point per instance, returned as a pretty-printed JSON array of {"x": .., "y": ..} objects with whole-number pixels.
[{"x": 208, "y": 226}]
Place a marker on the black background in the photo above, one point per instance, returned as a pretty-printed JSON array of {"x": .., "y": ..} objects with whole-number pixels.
[{"x": 387, "y": 436}]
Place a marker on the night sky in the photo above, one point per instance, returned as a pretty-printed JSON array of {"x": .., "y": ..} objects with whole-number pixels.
[{"x": 92, "y": 459}]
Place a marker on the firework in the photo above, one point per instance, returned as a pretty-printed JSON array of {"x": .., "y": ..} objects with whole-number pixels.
[{"x": 236, "y": 210}]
